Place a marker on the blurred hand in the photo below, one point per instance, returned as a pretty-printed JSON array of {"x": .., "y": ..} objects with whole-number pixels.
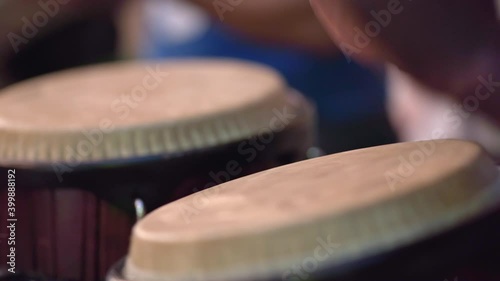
[
  {"x": 449, "y": 45},
  {"x": 284, "y": 22}
]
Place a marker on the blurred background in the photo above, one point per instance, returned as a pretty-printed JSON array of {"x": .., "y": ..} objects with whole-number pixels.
[{"x": 358, "y": 106}]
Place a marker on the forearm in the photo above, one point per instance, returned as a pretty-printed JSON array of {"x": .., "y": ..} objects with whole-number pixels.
[{"x": 285, "y": 22}]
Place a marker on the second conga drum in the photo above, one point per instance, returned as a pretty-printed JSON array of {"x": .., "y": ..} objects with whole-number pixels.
[
  {"x": 90, "y": 149},
  {"x": 412, "y": 211}
]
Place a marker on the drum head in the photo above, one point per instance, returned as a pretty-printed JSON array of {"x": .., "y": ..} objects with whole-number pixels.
[
  {"x": 333, "y": 210},
  {"x": 134, "y": 109}
]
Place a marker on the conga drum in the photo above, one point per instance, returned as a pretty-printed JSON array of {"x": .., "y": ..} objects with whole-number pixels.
[
  {"x": 86, "y": 151},
  {"x": 411, "y": 211}
]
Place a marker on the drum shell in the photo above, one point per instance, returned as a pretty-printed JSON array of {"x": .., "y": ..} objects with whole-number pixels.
[
  {"x": 467, "y": 249},
  {"x": 75, "y": 223}
]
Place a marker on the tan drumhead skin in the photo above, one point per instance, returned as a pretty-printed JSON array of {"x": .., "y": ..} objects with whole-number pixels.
[
  {"x": 332, "y": 210},
  {"x": 155, "y": 107}
]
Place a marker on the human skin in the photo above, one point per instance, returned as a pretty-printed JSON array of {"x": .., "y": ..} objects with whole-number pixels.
[
  {"x": 290, "y": 23},
  {"x": 444, "y": 44}
]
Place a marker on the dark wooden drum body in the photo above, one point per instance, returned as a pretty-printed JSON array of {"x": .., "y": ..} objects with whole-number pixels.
[
  {"x": 337, "y": 217},
  {"x": 469, "y": 252},
  {"x": 74, "y": 218}
]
